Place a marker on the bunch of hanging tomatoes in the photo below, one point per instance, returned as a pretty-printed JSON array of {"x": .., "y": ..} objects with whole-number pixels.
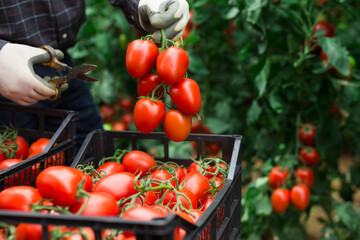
[{"x": 162, "y": 72}]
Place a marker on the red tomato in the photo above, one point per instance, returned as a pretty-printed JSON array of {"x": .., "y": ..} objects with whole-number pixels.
[
  {"x": 197, "y": 184},
  {"x": 27, "y": 231},
  {"x": 120, "y": 185},
  {"x": 277, "y": 176},
  {"x": 147, "y": 84},
  {"x": 89, "y": 183},
  {"x": 126, "y": 103},
  {"x": 143, "y": 213},
  {"x": 304, "y": 176},
  {"x": 205, "y": 204},
  {"x": 161, "y": 175},
  {"x": 21, "y": 149},
  {"x": 175, "y": 170},
  {"x": 138, "y": 162},
  {"x": 195, "y": 167},
  {"x": 59, "y": 184},
  {"x": 149, "y": 199},
  {"x": 99, "y": 204},
  {"x": 324, "y": 26},
  {"x": 300, "y": 196},
  {"x": 309, "y": 155},
  {"x": 160, "y": 208},
  {"x": 39, "y": 145},
  {"x": 177, "y": 125},
  {"x": 307, "y": 134},
  {"x": 280, "y": 200},
  {"x": 196, "y": 125},
  {"x": 119, "y": 126},
  {"x": 78, "y": 235},
  {"x": 19, "y": 198},
  {"x": 197, "y": 214},
  {"x": 186, "y": 96},
  {"x": 110, "y": 168},
  {"x": 148, "y": 114},
  {"x": 170, "y": 199},
  {"x": 172, "y": 64},
  {"x": 141, "y": 56},
  {"x": 107, "y": 113},
  {"x": 179, "y": 232},
  {"x": 219, "y": 183},
  {"x": 213, "y": 147},
  {"x": 13, "y": 180},
  {"x": 127, "y": 118}
]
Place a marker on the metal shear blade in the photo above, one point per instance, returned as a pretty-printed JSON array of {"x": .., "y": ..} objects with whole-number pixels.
[{"x": 79, "y": 73}]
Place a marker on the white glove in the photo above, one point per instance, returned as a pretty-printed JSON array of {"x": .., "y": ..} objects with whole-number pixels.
[
  {"x": 18, "y": 82},
  {"x": 170, "y": 15}
]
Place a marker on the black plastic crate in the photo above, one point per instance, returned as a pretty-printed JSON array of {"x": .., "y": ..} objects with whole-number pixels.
[
  {"x": 220, "y": 221},
  {"x": 60, "y": 150}
]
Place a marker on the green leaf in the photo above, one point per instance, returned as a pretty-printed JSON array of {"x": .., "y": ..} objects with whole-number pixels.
[
  {"x": 263, "y": 206},
  {"x": 218, "y": 126},
  {"x": 196, "y": 65},
  {"x": 232, "y": 13},
  {"x": 222, "y": 110},
  {"x": 337, "y": 54},
  {"x": 262, "y": 77},
  {"x": 275, "y": 102},
  {"x": 254, "y": 112},
  {"x": 347, "y": 215}
]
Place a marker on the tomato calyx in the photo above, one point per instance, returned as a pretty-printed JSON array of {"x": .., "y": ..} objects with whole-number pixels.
[{"x": 7, "y": 141}]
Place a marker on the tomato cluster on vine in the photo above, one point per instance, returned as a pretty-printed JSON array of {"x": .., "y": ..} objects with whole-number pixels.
[
  {"x": 301, "y": 180},
  {"x": 149, "y": 189},
  {"x": 161, "y": 72}
]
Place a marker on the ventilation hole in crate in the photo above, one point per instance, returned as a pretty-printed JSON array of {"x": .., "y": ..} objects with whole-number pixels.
[
  {"x": 220, "y": 214},
  {"x": 151, "y": 146}
]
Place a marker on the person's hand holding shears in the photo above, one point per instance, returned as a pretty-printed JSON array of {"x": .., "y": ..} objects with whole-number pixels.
[{"x": 18, "y": 81}]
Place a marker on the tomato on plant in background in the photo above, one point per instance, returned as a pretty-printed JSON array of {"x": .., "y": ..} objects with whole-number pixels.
[
  {"x": 196, "y": 125},
  {"x": 307, "y": 133},
  {"x": 126, "y": 103},
  {"x": 148, "y": 114},
  {"x": 127, "y": 118},
  {"x": 186, "y": 96},
  {"x": 280, "y": 200},
  {"x": 172, "y": 64},
  {"x": 141, "y": 57},
  {"x": 309, "y": 155},
  {"x": 277, "y": 176},
  {"x": 147, "y": 84},
  {"x": 107, "y": 113},
  {"x": 138, "y": 162},
  {"x": 325, "y": 26},
  {"x": 304, "y": 176},
  {"x": 177, "y": 125},
  {"x": 119, "y": 126},
  {"x": 300, "y": 196}
]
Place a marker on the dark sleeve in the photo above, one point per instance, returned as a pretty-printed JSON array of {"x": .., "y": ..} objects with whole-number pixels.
[
  {"x": 2, "y": 43},
  {"x": 130, "y": 10}
]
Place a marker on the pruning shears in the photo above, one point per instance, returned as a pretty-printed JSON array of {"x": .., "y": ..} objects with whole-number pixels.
[{"x": 60, "y": 84}]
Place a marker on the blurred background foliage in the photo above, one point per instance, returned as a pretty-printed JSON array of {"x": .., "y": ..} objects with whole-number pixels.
[{"x": 261, "y": 75}]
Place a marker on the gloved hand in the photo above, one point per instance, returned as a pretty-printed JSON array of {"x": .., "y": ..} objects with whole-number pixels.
[
  {"x": 18, "y": 82},
  {"x": 170, "y": 15}
]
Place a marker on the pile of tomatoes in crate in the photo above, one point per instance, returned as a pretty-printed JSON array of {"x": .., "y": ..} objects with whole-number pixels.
[
  {"x": 301, "y": 180},
  {"x": 15, "y": 149},
  {"x": 129, "y": 184},
  {"x": 162, "y": 72}
]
